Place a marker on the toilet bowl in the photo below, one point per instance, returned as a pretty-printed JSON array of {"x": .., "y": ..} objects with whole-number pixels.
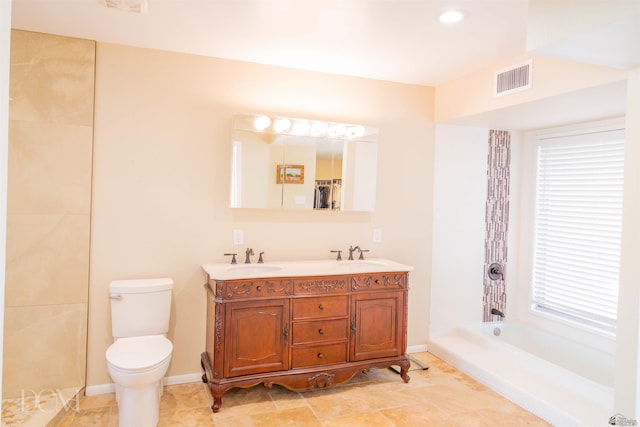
[
  {"x": 140, "y": 355},
  {"x": 137, "y": 366}
]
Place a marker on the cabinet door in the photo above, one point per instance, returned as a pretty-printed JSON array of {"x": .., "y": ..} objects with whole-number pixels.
[
  {"x": 257, "y": 337},
  {"x": 377, "y": 325}
]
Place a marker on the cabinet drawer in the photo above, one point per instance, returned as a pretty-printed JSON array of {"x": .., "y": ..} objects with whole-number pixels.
[
  {"x": 235, "y": 289},
  {"x": 318, "y": 307},
  {"x": 321, "y": 285},
  {"x": 321, "y": 330},
  {"x": 365, "y": 282},
  {"x": 319, "y": 355}
]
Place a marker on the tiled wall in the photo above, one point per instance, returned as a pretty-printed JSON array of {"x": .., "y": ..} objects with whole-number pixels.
[
  {"x": 48, "y": 214},
  {"x": 496, "y": 221}
]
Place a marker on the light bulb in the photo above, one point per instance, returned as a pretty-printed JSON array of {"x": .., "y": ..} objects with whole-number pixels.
[
  {"x": 355, "y": 131},
  {"x": 300, "y": 127},
  {"x": 319, "y": 128},
  {"x": 337, "y": 129},
  {"x": 281, "y": 124},
  {"x": 261, "y": 122}
]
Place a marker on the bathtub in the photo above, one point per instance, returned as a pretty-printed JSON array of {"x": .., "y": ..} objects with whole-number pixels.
[{"x": 563, "y": 382}]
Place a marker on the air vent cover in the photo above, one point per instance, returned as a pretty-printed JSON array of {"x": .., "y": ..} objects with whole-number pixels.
[
  {"x": 512, "y": 79},
  {"x": 135, "y": 6}
]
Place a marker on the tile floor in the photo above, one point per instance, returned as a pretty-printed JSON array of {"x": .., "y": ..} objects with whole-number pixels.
[{"x": 440, "y": 396}]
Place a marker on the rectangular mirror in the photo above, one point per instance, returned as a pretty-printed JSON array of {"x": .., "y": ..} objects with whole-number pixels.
[{"x": 299, "y": 164}]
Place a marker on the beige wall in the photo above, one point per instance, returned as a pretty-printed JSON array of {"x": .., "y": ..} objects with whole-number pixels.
[
  {"x": 473, "y": 93},
  {"x": 161, "y": 181},
  {"x": 48, "y": 213}
]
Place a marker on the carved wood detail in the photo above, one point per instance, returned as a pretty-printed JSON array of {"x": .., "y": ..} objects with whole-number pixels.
[
  {"x": 280, "y": 287},
  {"x": 321, "y": 285},
  {"x": 321, "y": 380},
  {"x": 239, "y": 289},
  {"x": 378, "y": 281}
]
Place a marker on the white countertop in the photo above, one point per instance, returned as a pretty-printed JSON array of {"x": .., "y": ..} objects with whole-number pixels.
[{"x": 227, "y": 271}]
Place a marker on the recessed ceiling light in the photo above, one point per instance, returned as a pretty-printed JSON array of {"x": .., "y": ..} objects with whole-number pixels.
[{"x": 451, "y": 16}]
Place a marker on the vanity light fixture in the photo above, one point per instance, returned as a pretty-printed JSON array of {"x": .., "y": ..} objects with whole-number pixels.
[
  {"x": 261, "y": 123},
  {"x": 301, "y": 127},
  {"x": 451, "y": 16}
]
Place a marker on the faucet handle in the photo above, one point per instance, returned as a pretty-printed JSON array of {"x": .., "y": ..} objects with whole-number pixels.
[
  {"x": 260, "y": 260},
  {"x": 339, "y": 257},
  {"x": 233, "y": 258},
  {"x": 362, "y": 251}
]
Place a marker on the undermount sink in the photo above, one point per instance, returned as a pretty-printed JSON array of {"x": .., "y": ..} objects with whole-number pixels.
[
  {"x": 359, "y": 263},
  {"x": 253, "y": 269}
]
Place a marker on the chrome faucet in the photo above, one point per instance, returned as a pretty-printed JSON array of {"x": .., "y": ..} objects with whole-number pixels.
[
  {"x": 351, "y": 250},
  {"x": 248, "y": 252}
]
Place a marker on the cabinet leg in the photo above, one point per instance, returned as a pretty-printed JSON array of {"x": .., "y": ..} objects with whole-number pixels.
[
  {"x": 404, "y": 369},
  {"x": 404, "y": 373},
  {"x": 217, "y": 404}
]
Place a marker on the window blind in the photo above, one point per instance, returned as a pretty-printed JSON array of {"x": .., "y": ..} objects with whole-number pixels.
[{"x": 578, "y": 223}]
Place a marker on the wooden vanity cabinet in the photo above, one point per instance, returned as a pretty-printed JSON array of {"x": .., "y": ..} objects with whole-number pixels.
[{"x": 303, "y": 332}]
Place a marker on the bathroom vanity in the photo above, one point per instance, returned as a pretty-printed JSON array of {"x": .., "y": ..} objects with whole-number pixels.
[{"x": 303, "y": 325}]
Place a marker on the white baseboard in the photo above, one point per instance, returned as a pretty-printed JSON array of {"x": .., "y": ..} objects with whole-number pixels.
[
  {"x": 417, "y": 348},
  {"x": 183, "y": 379},
  {"x": 92, "y": 390}
]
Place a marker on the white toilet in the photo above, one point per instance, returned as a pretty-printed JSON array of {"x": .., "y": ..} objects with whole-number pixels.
[{"x": 140, "y": 356}]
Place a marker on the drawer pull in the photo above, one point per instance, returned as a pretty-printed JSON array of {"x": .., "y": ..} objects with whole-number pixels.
[
  {"x": 321, "y": 331},
  {"x": 320, "y": 356},
  {"x": 377, "y": 281},
  {"x": 321, "y": 307},
  {"x": 259, "y": 288}
]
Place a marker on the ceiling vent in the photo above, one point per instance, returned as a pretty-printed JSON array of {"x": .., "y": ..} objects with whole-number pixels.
[
  {"x": 135, "y": 6},
  {"x": 512, "y": 79}
]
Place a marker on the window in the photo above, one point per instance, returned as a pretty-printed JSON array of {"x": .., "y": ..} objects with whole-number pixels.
[{"x": 578, "y": 221}]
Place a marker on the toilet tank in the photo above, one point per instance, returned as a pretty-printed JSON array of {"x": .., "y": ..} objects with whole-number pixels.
[{"x": 140, "y": 307}]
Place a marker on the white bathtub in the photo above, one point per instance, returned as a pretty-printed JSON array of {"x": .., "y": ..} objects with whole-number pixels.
[{"x": 563, "y": 382}]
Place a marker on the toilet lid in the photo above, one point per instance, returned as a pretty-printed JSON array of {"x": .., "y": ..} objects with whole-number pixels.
[{"x": 139, "y": 352}]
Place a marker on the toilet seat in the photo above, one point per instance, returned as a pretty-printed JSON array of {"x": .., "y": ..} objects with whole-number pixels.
[{"x": 139, "y": 354}]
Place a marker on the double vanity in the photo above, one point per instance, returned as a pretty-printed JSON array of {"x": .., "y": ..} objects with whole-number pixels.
[{"x": 303, "y": 325}]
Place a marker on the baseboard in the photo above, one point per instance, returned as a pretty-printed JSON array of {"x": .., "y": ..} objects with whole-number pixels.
[
  {"x": 183, "y": 379},
  {"x": 92, "y": 390},
  {"x": 417, "y": 348}
]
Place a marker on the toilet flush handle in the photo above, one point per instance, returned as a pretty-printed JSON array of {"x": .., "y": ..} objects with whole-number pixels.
[{"x": 116, "y": 297}]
